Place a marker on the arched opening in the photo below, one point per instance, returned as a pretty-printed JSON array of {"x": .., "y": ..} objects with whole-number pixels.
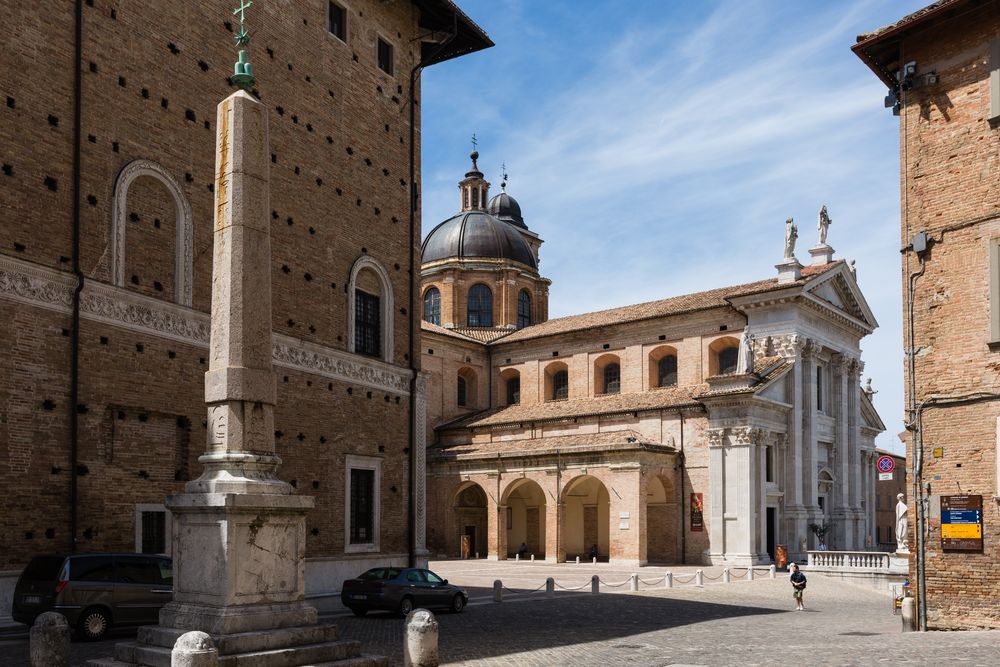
[
  {"x": 607, "y": 374},
  {"x": 466, "y": 388},
  {"x": 663, "y": 367},
  {"x": 432, "y": 306},
  {"x": 723, "y": 356},
  {"x": 469, "y": 513},
  {"x": 480, "y": 306},
  {"x": 586, "y": 518},
  {"x": 525, "y": 520},
  {"x": 150, "y": 203},
  {"x": 510, "y": 380},
  {"x": 556, "y": 381},
  {"x": 523, "y": 309},
  {"x": 370, "y": 309},
  {"x": 662, "y": 521}
]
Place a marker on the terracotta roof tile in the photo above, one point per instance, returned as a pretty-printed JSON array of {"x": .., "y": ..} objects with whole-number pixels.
[
  {"x": 588, "y": 442},
  {"x": 434, "y": 328},
  {"x": 654, "y": 399},
  {"x": 909, "y": 18},
  {"x": 716, "y": 298},
  {"x": 483, "y": 334}
]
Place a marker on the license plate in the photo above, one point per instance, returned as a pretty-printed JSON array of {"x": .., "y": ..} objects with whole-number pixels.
[
  {"x": 358, "y": 597},
  {"x": 32, "y": 599}
]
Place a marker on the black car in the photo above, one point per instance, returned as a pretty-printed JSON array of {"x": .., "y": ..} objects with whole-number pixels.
[
  {"x": 94, "y": 591},
  {"x": 401, "y": 589}
]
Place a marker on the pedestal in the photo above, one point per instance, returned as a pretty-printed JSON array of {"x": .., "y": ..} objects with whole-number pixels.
[
  {"x": 788, "y": 271},
  {"x": 821, "y": 254}
]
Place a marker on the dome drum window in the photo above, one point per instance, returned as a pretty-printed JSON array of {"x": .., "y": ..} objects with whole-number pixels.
[
  {"x": 480, "y": 307},
  {"x": 523, "y": 309},
  {"x": 432, "y": 306}
]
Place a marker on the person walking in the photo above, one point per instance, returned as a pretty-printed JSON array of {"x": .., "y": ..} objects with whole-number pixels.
[{"x": 798, "y": 587}]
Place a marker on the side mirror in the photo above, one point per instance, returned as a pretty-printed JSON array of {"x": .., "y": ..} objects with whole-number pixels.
[{"x": 444, "y": 583}]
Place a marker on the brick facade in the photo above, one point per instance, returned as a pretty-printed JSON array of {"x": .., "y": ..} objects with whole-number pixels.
[
  {"x": 340, "y": 190},
  {"x": 949, "y": 154}
]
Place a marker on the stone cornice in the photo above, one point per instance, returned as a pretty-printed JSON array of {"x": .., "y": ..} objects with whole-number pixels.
[{"x": 50, "y": 289}]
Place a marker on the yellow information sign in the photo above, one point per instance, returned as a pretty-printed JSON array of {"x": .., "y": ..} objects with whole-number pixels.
[{"x": 958, "y": 531}]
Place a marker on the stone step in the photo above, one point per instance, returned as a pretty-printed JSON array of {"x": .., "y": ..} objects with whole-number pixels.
[
  {"x": 155, "y": 635},
  {"x": 293, "y": 656},
  {"x": 363, "y": 660},
  {"x": 107, "y": 662}
]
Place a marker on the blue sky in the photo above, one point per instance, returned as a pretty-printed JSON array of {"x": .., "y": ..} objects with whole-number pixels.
[{"x": 658, "y": 147}]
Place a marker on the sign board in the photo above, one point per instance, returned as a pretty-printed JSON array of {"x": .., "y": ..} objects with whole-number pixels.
[
  {"x": 937, "y": 452},
  {"x": 697, "y": 513},
  {"x": 962, "y": 523},
  {"x": 885, "y": 477},
  {"x": 885, "y": 464},
  {"x": 623, "y": 525}
]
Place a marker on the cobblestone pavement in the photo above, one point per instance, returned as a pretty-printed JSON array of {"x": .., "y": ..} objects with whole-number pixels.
[{"x": 745, "y": 623}]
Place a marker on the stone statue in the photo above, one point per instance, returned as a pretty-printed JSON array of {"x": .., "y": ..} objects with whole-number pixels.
[
  {"x": 791, "y": 233},
  {"x": 745, "y": 362},
  {"x": 854, "y": 269},
  {"x": 869, "y": 390},
  {"x": 901, "y": 524},
  {"x": 824, "y": 225}
]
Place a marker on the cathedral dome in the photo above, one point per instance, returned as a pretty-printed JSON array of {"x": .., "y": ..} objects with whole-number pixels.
[
  {"x": 477, "y": 234},
  {"x": 506, "y": 208}
]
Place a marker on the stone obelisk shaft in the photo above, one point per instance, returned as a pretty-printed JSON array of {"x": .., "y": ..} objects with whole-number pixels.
[{"x": 239, "y": 533}]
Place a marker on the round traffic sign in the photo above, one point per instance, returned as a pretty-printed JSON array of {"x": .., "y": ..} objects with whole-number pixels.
[{"x": 885, "y": 463}]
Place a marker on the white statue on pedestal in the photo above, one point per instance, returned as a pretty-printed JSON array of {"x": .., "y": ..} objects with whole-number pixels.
[
  {"x": 824, "y": 225},
  {"x": 901, "y": 525},
  {"x": 791, "y": 233},
  {"x": 745, "y": 362}
]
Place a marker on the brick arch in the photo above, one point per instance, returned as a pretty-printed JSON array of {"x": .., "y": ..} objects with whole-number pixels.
[
  {"x": 184, "y": 225},
  {"x": 386, "y": 303},
  {"x": 550, "y": 371},
  {"x": 586, "y": 516},
  {"x": 716, "y": 348},
  {"x": 526, "y": 507},
  {"x": 656, "y": 356},
  {"x": 467, "y": 507},
  {"x": 600, "y": 365},
  {"x": 506, "y": 376},
  {"x": 663, "y": 520}
]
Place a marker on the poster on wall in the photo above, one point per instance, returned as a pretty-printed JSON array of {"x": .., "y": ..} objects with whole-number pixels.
[
  {"x": 697, "y": 513},
  {"x": 962, "y": 523}
]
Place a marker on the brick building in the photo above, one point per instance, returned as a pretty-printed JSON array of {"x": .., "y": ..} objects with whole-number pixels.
[
  {"x": 703, "y": 428},
  {"x": 107, "y": 145},
  {"x": 942, "y": 67}
]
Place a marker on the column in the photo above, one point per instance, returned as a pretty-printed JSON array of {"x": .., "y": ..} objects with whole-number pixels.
[
  {"x": 854, "y": 434},
  {"x": 742, "y": 520},
  {"x": 809, "y": 444},
  {"x": 717, "y": 494},
  {"x": 420, "y": 468},
  {"x": 844, "y": 515},
  {"x": 762, "y": 497}
]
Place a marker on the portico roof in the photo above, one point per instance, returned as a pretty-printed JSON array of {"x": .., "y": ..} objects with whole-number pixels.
[{"x": 614, "y": 441}]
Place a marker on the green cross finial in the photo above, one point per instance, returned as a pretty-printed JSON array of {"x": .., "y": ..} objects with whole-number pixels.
[
  {"x": 243, "y": 70},
  {"x": 475, "y": 142}
]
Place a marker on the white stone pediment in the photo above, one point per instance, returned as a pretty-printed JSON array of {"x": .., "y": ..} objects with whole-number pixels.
[{"x": 840, "y": 292}]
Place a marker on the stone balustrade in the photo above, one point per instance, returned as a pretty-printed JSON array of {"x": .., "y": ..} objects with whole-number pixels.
[{"x": 860, "y": 561}]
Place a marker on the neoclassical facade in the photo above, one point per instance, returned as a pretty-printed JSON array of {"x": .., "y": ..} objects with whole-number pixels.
[{"x": 703, "y": 428}]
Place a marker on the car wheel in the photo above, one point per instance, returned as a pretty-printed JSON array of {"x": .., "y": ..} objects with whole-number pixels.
[
  {"x": 94, "y": 624},
  {"x": 457, "y": 603},
  {"x": 406, "y": 606},
  {"x": 359, "y": 611}
]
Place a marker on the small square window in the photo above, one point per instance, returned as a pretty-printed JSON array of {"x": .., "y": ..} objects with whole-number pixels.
[
  {"x": 336, "y": 22},
  {"x": 385, "y": 56}
]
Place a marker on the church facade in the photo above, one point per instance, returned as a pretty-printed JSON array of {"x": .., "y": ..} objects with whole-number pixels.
[{"x": 703, "y": 428}]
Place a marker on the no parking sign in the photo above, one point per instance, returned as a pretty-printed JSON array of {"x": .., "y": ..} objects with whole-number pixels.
[{"x": 885, "y": 464}]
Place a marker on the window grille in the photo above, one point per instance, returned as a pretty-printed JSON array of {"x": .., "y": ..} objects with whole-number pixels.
[
  {"x": 667, "y": 371},
  {"x": 612, "y": 378},
  {"x": 432, "y": 306},
  {"x": 362, "y": 506},
  {"x": 513, "y": 391},
  {"x": 337, "y": 21},
  {"x": 523, "y": 309},
  {"x": 560, "y": 386},
  {"x": 367, "y": 324},
  {"x": 480, "y": 306},
  {"x": 462, "y": 391},
  {"x": 727, "y": 360}
]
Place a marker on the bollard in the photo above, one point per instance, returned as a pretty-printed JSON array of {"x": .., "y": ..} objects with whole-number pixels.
[
  {"x": 699, "y": 578},
  {"x": 668, "y": 580},
  {"x": 517, "y": 558},
  {"x": 725, "y": 575},
  {"x": 595, "y": 584},
  {"x": 532, "y": 558},
  {"x": 577, "y": 560},
  {"x": 194, "y": 649},
  {"x": 420, "y": 639},
  {"x": 595, "y": 560},
  {"x": 772, "y": 572},
  {"x": 633, "y": 582},
  {"x": 477, "y": 555},
  {"x": 498, "y": 591},
  {"x": 48, "y": 643},
  {"x": 909, "y": 614},
  {"x": 750, "y": 573},
  {"x": 550, "y": 587}
]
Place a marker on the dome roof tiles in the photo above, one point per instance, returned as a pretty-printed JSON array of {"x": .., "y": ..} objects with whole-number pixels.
[{"x": 473, "y": 234}]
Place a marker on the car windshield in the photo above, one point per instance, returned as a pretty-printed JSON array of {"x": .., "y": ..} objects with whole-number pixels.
[
  {"x": 43, "y": 568},
  {"x": 433, "y": 578},
  {"x": 373, "y": 574}
]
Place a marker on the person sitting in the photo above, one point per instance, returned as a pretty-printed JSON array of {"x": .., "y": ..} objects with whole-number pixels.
[
  {"x": 522, "y": 551},
  {"x": 593, "y": 552}
]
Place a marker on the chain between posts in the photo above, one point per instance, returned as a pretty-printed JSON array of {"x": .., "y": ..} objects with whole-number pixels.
[{"x": 669, "y": 578}]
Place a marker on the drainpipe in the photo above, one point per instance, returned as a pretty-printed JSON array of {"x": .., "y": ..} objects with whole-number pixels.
[
  {"x": 918, "y": 490},
  {"x": 683, "y": 524},
  {"x": 74, "y": 372},
  {"x": 414, "y": 332}
]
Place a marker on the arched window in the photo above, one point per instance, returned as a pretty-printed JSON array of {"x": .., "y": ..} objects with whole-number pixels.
[
  {"x": 728, "y": 358},
  {"x": 370, "y": 308},
  {"x": 480, "y": 306},
  {"x": 462, "y": 391},
  {"x": 612, "y": 379},
  {"x": 432, "y": 306},
  {"x": 560, "y": 385},
  {"x": 466, "y": 388},
  {"x": 523, "y": 309},
  {"x": 514, "y": 391},
  {"x": 667, "y": 371}
]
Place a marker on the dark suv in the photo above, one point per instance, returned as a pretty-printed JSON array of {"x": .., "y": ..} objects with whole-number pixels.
[{"x": 94, "y": 591}]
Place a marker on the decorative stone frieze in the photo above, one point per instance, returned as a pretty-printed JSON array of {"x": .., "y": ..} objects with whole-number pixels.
[
  {"x": 747, "y": 435},
  {"x": 716, "y": 437}
]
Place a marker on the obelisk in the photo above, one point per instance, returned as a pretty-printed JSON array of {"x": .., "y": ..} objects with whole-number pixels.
[{"x": 238, "y": 532}]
